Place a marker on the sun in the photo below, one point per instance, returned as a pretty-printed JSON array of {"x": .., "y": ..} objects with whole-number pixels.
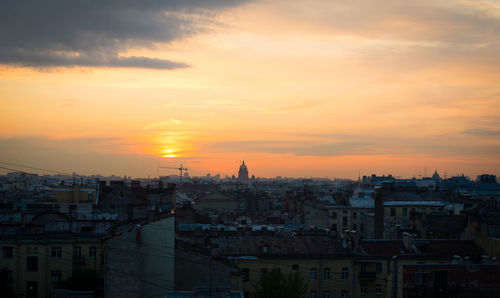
[{"x": 169, "y": 153}]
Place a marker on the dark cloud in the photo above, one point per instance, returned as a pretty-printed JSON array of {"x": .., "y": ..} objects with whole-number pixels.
[
  {"x": 482, "y": 132},
  {"x": 363, "y": 145},
  {"x": 305, "y": 148},
  {"x": 60, "y": 33}
]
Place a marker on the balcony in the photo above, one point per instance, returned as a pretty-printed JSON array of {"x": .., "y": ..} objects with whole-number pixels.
[
  {"x": 78, "y": 260},
  {"x": 368, "y": 275}
]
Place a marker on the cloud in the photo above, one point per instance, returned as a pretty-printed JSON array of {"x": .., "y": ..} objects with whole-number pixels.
[
  {"x": 343, "y": 145},
  {"x": 59, "y": 33},
  {"x": 482, "y": 132},
  {"x": 304, "y": 148}
]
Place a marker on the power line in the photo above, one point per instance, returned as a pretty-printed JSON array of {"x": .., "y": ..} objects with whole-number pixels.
[{"x": 33, "y": 168}]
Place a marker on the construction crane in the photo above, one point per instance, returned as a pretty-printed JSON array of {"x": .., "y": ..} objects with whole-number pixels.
[{"x": 180, "y": 169}]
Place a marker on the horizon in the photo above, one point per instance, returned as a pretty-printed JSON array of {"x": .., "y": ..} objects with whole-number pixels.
[{"x": 11, "y": 168}]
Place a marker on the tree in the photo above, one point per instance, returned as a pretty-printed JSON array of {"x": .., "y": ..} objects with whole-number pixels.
[{"x": 274, "y": 285}]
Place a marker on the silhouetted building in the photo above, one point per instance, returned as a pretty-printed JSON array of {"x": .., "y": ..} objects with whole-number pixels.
[{"x": 243, "y": 173}]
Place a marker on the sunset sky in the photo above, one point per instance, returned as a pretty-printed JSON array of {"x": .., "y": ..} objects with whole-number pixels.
[{"x": 294, "y": 88}]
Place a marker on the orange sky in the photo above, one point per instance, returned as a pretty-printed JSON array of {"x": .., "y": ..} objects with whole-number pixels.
[{"x": 314, "y": 88}]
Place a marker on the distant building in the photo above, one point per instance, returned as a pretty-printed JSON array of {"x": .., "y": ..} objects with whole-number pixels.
[
  {"x": 75, "y": 194},
  {"x": 243, "y": 173}
]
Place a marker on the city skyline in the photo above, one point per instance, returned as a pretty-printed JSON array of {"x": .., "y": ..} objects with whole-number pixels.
[{"x": 295, "y": 89}]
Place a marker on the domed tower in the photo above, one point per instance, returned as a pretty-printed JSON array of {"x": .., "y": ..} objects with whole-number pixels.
[
  {"x": 243, "y": 173},
  {"x": 436, "y": 176}
]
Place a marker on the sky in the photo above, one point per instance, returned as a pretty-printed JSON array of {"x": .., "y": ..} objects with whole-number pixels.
[{"x": 294, "y": 88}]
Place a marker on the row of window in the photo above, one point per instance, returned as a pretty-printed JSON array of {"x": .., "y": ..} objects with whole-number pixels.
[
  {"x": 345, "y": 294},
  {"x": 354, "y": 214},
  {"x": 378, "y": 290},
  {"x": 326, "y": 294},
  {"x": 405, "y": 210},
  {"x": 312, "y": 273},
  {"x": 326, "y": 274},
  {"x": 55, "y": 252}
]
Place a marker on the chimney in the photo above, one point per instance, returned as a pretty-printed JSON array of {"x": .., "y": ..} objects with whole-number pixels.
[
  {"x": 138, "y": 234},
  {"x": 379, "y": 214},
  {"x": 407, "y": 237}
]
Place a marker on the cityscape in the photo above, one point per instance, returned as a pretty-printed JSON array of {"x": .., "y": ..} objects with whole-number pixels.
[
  {"x": 249, "y": 149},
  {"x": 182, "y": 236}
]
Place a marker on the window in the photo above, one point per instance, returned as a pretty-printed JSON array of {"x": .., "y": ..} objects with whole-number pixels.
[
  {"x": 420, "y": 279},
  {"x": 344, "y": 221},
  {"x": 405, "y": 211},
  {"x": 378, "y": 290},
  {"x": 345, "y": 273},
  {"x": 246, "y": 274},
  {"x": 31, "y": 289},
  {"x": 103, "y": 256},
  {"x": 393, "y": 211},
  {"x": 263, "y": 271},
  {"x": 363, "y": 267},
  {"x": 295, "y": 267},
  {"x": 56, "y": 252},
  {"x": 354, "y": 215},
  {"x": 312, "y": 294},
  {"x": 86, "y": 229},
  {"x": 378, "y": 267},
  {"x": 91, "y": 197},
  {"x": 55, "y": 277},
  {"x": 326, "y": 294},
  {"x": 326, "y": 274},
  {"x": 312, "y": 275},
  {"x": 334, "y": 215},
  {"x": 354, "y": 227},
  {"x": 363, "y": 290},
  {"x": 344, "y": 294},
  {"x": 9, "y": 275},
  {"x": 32, "y": 263},
  {"x": 7, "y": 252},
  {"x": 77, "y": 251},
  {"x": 92, "y": 252},
  {"x": 77, "y": 256}
]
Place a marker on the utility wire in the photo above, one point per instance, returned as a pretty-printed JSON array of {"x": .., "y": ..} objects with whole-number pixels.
[{"x": 33, "y": 168}]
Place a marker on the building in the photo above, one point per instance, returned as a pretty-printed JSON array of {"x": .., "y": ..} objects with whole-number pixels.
[
  {"x": 243, "y": 174},
  {"x": 140, "y": 259},
  {"x": 221, "y": 201},
  {"x": 450, "y": 280},
  {"x": 355, "y": 215},
  {"x": 38, "y": 264},
  {"x": 75, "y": 194}
]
